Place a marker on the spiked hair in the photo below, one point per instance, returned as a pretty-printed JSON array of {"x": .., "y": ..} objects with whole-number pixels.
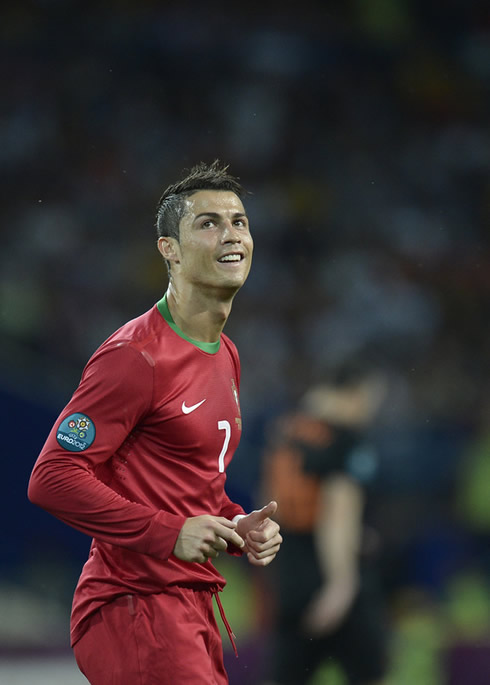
[{"x": 171, "y": 206}]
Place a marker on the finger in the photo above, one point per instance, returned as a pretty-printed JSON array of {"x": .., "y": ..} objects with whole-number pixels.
[
  {"x": 201, "y": 559},
  {"x": 230, "y": 535},
  {"x": 225, "y": 522},
  {"x": 220, "y": 545},
  {"x": 263, "y": 561},
  {"x": 211, "y": 551},
  {"x": 267, "y": 511},
  {"x": 264, "y": 553},
  {"x": 264, "y": 534},
  {"x": 259, "y": 543}
]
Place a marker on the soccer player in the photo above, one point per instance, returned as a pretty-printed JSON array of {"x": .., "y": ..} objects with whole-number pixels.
[
  {"x": 319, "y": 466},
  {"x": 138, "y": 457}
]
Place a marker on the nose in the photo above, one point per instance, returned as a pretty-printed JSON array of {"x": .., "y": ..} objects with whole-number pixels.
[{"x": 230, "y": 233}]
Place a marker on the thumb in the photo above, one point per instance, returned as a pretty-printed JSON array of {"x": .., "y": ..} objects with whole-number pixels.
[{"x": 267, "y": 511}]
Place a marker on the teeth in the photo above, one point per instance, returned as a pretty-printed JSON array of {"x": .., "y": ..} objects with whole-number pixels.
[{"x": 231, "y": 258}]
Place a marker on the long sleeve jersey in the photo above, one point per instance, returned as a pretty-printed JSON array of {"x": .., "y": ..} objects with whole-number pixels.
[{"x": 142, "y": 445}]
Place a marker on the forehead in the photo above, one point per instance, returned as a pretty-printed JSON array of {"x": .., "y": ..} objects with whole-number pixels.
[{"x": 212, "y": 201}]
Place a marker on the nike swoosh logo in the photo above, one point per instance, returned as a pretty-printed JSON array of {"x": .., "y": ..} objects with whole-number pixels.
[{"x": 187, "y": 410}]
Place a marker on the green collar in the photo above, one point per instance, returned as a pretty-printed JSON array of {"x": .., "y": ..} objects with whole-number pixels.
[{"x": 211, "y": 347}]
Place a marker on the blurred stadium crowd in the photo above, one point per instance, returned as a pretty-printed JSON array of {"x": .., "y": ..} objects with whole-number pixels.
[{"x": 361, "y": 130}]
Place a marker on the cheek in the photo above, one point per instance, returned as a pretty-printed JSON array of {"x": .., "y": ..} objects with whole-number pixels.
[
  {"x": 250, "y": 246},
  {"x": 196, "y": 257},
  {"x": 193, "y": 250}
]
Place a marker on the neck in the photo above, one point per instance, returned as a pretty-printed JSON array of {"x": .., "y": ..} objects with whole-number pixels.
[{"x": 200, "y": 315}]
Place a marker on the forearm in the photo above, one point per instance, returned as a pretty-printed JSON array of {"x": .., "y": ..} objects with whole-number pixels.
[
  {"x": 73, "y": 494},
  {"x": 232, "y": 511},
  {"x": 338, "y": 530}
]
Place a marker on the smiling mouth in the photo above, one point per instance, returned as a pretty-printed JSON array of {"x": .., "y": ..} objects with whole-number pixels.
[{"x": 230, "y": 258}]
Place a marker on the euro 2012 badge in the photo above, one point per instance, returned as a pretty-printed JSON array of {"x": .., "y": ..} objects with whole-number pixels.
[{"x": 76, "y": 433}]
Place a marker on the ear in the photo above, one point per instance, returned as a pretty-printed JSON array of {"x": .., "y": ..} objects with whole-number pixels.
[{"x": 169, "y": 249}]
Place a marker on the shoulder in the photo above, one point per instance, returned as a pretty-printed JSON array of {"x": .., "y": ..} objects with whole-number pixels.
[
  {"x": 136, "y": 339},
  {"x": 228, "y": 345},
  {"x": 139, "y": 330},
  {"x": 228, "y": 349}
]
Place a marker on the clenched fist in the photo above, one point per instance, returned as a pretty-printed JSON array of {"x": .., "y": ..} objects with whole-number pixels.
[{"x": 261, "y": 535}]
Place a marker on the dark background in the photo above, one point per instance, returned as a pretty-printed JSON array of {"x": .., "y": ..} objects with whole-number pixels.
[{"x": 361, "y": 130}]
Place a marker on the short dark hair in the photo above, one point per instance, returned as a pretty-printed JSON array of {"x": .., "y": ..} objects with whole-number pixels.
[{"x": 171, "y": 206}]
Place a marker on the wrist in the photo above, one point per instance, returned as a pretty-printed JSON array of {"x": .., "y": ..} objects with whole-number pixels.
[{"x": 238, "y": 517}]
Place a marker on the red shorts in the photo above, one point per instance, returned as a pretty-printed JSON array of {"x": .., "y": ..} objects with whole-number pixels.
[{"x": 165, "y": 639}]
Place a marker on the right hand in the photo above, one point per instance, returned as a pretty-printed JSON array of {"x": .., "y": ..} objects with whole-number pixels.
[{"x": 204, "y": 537}]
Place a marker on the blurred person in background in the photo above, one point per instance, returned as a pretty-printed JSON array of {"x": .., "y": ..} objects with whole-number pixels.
[
  {"x": 319, "y": 465},
  {"x": 138, "y": 457}
]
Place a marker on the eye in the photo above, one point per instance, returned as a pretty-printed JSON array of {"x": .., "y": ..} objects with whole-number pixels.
[
  {"x": 241, "y": 223},
  {"x": 209, "y": 223}
]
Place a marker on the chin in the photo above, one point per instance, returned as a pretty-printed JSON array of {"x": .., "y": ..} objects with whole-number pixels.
[{"x": 230, "y": 286}]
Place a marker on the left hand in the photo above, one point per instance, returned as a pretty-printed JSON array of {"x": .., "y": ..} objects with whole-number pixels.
[{"x": 261, "y": 535}]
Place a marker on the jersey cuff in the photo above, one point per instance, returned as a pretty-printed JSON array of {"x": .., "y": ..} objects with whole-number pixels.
[
  {"x": 163, "y": 533},
  {"x": 236, "y": 518}
]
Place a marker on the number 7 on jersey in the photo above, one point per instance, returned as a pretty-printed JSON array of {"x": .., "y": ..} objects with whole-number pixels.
[{"x": 224, "y": 426}]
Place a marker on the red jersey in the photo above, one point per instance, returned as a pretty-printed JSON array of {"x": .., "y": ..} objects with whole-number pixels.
[{"x": 142, "y": 445}]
